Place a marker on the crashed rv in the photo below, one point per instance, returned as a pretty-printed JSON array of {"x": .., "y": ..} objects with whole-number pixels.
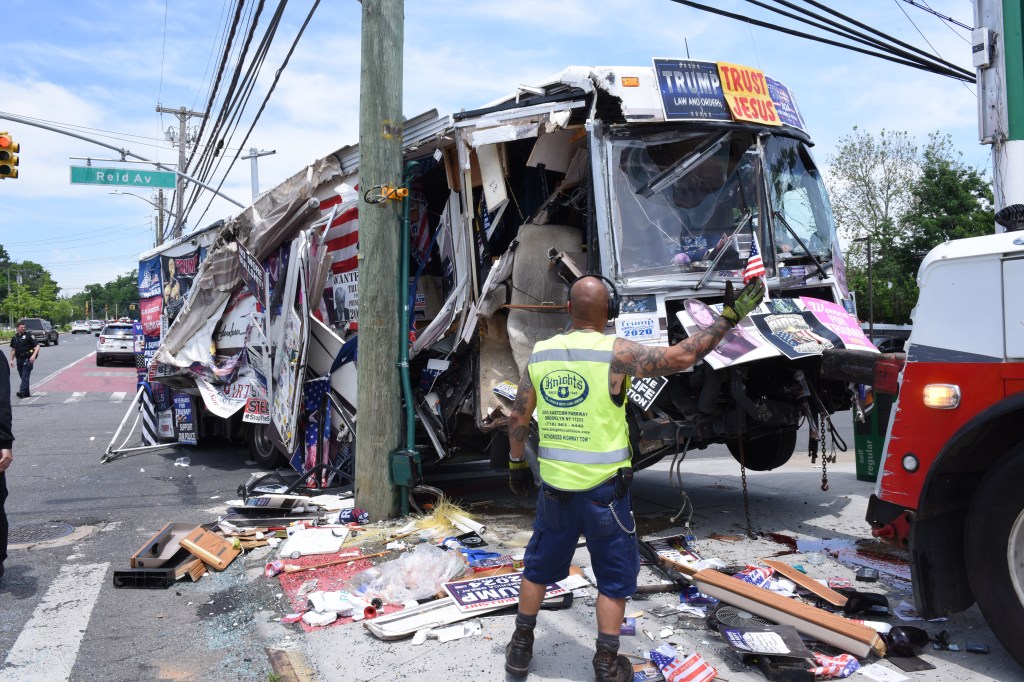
[{"x": 669, "y": 180}]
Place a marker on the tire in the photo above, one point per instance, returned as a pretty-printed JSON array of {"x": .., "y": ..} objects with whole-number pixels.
[
  {"x": 99, "y": 360},
  {"x": 262, "y": 449},
  {"x": 994, "y": 547},
  {"x": 46, "y": 342},
  {"x": 56, "y": 341},
  {"x": 764, "y": 453}
]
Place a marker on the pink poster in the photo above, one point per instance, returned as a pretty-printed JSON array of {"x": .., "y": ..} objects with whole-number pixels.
[
  {"x": 840, "y": 322},
  {"x": 150, "y": 309}
]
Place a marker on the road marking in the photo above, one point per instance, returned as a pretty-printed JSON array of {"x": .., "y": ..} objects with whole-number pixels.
[
  {"x": 118, "y": 396},
  {"x": 75, "y": 397},
  {"x": 33, "y": 398},
  {"x": 47, "y": 647},
  {"x": 40, "y": 383}
]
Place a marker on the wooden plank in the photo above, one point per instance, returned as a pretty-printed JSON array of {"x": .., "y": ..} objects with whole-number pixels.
[
  {"x": 806, "y": 582},
  {"x": 214, "y": 550},
  {"x": 823, "y": 626}
]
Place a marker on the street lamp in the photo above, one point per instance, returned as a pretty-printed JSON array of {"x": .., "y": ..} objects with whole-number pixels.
[
  {"x": 871, "y": 291},
  {"x": 159, "y": 207}
]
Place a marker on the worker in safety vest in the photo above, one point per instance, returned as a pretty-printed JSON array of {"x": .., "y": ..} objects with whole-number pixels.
[{"x": 577, "y": 383}]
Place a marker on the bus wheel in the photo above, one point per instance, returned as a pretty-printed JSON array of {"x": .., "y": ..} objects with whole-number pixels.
[
  {"x": 262, "y": 448},
  {"x": 766, "y": 452},
  {"x": 995, "y": 551}
]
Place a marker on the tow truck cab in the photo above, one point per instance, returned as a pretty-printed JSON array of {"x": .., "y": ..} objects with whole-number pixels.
[{"x": 953, "y": 468}]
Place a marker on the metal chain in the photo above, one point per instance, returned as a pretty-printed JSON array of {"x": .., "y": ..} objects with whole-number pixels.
[
  {"x": 611, "y": 507},
  {"x": 746, "y": 497},
  {"x": 824, "y": 455}
]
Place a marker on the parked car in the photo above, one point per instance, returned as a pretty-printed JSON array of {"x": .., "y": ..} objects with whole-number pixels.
[
  {"x": 96, "y": 326},
  {"x": 80, "y": 326},
  {"x": 115, "y": 343},
  {"x": 890, "y": 344},
  {"x": 42, "y": 330}
]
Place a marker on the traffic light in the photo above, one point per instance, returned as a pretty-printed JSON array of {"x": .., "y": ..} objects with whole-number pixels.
[{"x": 8, "y": 156}]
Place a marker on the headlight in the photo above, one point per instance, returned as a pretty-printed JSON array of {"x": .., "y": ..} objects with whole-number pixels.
[{"x": 942, "y": 396}]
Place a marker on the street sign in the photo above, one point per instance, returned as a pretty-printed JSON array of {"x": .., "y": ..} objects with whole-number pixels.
[{"x": 124, "y": 177}]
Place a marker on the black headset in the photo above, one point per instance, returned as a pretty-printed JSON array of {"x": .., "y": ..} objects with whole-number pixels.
[{"x": 613, "y": 298}]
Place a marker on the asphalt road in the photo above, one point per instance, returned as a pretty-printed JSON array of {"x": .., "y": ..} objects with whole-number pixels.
[{"x": 63, "y": 619}]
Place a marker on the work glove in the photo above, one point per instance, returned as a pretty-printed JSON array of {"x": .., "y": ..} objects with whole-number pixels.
[
  {"x": 738, "y": 307},
  {"x": 520, "y": 479}
]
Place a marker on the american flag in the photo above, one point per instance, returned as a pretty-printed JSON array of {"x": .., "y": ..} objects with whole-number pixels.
[
  {"x": 343, "y": 233},
  {"x": 314, "y": 393},
  {"x": 839, "y": 666},
  {"x": 693, "y": 668},
  {"x": 755, "y": 266}
]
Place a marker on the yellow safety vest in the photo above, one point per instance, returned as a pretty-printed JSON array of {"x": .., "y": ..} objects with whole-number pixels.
[{"x": 584, "y": 439}]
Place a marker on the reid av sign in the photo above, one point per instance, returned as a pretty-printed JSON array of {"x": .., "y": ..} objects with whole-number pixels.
[{"x": 124, "y": 177}]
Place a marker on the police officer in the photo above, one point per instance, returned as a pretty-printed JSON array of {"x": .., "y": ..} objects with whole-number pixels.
[
  {"x": 24, "y": 349},
  {"x": 581, "y": 378}
]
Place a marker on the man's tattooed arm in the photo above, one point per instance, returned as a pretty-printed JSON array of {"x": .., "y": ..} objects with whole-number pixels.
[
  {"x": 636, "y": 360},
  {"x": 519, "y": 420}
]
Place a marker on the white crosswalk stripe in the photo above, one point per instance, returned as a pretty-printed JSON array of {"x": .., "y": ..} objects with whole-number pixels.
[
  {"x": 33, "y": 398},
  {"x": 75, "y": 397},
  {"x": 117, "y": 396},
  {"x": 47, "y": 647}
]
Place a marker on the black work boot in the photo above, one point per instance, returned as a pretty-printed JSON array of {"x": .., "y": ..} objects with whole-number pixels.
[
  {"x": 611, "y": 667},
  {"x": 519, "y": 651}
]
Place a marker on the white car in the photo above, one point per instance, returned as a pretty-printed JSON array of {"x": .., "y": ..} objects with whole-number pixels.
[
  {"x": 116, "y": 342},
  {"x": 95, "y": 326},
  {"x": 80, "y": 326}
]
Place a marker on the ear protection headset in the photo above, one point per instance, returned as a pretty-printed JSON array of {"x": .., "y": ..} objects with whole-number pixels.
[{"x": 613, "y": 295}]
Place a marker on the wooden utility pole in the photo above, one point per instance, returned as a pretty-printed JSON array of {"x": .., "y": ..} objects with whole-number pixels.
[{"x": 378, "y": 427}]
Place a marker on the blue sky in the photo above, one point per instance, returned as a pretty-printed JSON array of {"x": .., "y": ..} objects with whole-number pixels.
[{"x": 103, "y": 65}]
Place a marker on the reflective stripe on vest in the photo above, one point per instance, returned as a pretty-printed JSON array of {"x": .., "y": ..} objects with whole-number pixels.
[{"x": 583, "y": 435}]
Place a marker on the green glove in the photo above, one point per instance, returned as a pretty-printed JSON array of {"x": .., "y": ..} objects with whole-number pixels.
[
  {"x": 735, "y": 307},
  {"x": 520, "y": 479}
]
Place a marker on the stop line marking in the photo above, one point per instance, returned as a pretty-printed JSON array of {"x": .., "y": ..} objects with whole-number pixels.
[
  {"x": 75, "y": 397},
  {"x": 118, "y": 396},
  {"x": 47, "y": 647}
]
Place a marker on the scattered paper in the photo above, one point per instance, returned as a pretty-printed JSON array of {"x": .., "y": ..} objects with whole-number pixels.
[
  {"x": 908, "y": 612},
  {"x": 878, "y": 672},
  {"x": 573, "y": 582}
]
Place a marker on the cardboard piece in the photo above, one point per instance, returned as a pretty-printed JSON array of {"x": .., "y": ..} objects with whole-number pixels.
[
  {"x": 160, "y": 548},
  {"x": 215, "y": 551},
  {"x": 806, "y": 582},
  {"x": 857, "y": 639}
]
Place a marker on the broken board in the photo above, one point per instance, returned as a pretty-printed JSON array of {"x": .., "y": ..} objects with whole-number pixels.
[
  {"x": 159, "y": 549},
  {"x": 806, "y": 582},
  {"x": 823, "y": 626},
  {"x": 215, "y": 551}
]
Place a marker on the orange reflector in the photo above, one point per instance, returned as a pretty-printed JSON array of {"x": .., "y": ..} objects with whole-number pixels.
[{"x": 630, "y": 82}]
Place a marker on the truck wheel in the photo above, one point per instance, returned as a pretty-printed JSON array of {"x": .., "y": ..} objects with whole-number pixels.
[
  {"x": 262, "y": 448},
  {"x": 995, "y": 551},
  {"x": 764, "y": 453}
]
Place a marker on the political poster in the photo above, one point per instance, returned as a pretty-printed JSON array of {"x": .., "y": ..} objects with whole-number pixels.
[
  {"x": 224, "y": 400},
  {"x": 184, "y": 419},
  {"x": 785, "y": 104},
  {"x": 792, "y": 334},
  {"x": 691, "y": 90},
  {"x": 253, "y": 274},
  {"x": 178, "y": 273},
  {"x": 342, "y": 297},
  {"x": 746, "y": 92},
  {"x": 744, "y": 343},
  {"x": 643, "y": 392},
  {"x": 149, "y": 278},
  {"x": 841, "y": 323},
  {"x": 481, "y": 594},
  {"x": 150, "y": 310}
]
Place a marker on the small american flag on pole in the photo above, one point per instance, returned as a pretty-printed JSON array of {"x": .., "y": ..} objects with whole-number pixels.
[{"x": 755, "y": 266}]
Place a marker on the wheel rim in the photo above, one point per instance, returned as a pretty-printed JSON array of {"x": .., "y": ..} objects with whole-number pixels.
[
  {"x": 263, "y": 443},
  {"x": 1015, "y": 556}
]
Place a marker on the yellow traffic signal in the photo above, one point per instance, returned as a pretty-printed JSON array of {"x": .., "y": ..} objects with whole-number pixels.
[{"x": 8, "y": 156}]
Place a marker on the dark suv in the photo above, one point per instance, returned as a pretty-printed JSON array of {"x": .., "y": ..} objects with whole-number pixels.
[{"x": 41, "y": 329}]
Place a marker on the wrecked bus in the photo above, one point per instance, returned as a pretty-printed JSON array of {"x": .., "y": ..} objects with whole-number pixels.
[{"x": 670, "y": 180}]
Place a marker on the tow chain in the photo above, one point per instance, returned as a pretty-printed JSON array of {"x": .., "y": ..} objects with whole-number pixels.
[
  {"x": 746, "y": 497},
  {"x": 826, "y": 454}
]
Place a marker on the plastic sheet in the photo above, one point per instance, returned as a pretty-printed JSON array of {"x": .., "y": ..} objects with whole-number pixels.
[{"x": 416, "y": 575}]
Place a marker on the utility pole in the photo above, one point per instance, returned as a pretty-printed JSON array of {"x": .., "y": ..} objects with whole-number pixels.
[
  {"x": 254, "y": 154},
  {"x": 380, "y": 163},
  {"x": 160, "y": 217},
  {"x": 998, "y": 52},
  {"x": 183, "y": 115}
]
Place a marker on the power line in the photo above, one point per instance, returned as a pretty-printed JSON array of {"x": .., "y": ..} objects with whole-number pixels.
[
  {"x": 921, "y": 33},
  {"x": 925, "y": 8},
  {"x": 36, "y": 242}
]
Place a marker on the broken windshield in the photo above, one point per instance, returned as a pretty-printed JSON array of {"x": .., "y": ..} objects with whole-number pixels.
[
  {"x": 803, "y": 215},
  {"x": 679, "y": 197}
]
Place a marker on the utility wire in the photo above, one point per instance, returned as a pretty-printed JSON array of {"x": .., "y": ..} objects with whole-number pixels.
[
  {"x": 881, "y": 55},
  {"x": 924, "y": 7},
  {"x": 263, "y": 105},
  {"x": 921, "y": 33},
  {"x": 222, "y": 32}
]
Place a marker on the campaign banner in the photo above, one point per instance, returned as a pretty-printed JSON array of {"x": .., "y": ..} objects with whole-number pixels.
[
  {"x": 834, "y": 317},
  {"x": 746, "y": 92},
  {"x": 224, "y": 401},
  {"x": 785, "y": 103},
  {"x": 691, "y": 90},
  {"x": 150, "y": 310},
  {"x": 178, "y": 273},
  {"x": 256, "y": 411},
  {"x": 643, "y": 392},
  {"x": 486, "y": 593},
  {"x": 791, "y": 333},
  {"x": 253, "y": 274},
  {"x": 184, "y": 420},
  {"x": 149, "y": 278},
  {"x": 342, "y": 297},
  {"x": 744, "y": 343}
]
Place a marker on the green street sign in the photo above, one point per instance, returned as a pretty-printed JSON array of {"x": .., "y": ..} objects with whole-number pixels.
[{"x": 124, "y": 177}]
